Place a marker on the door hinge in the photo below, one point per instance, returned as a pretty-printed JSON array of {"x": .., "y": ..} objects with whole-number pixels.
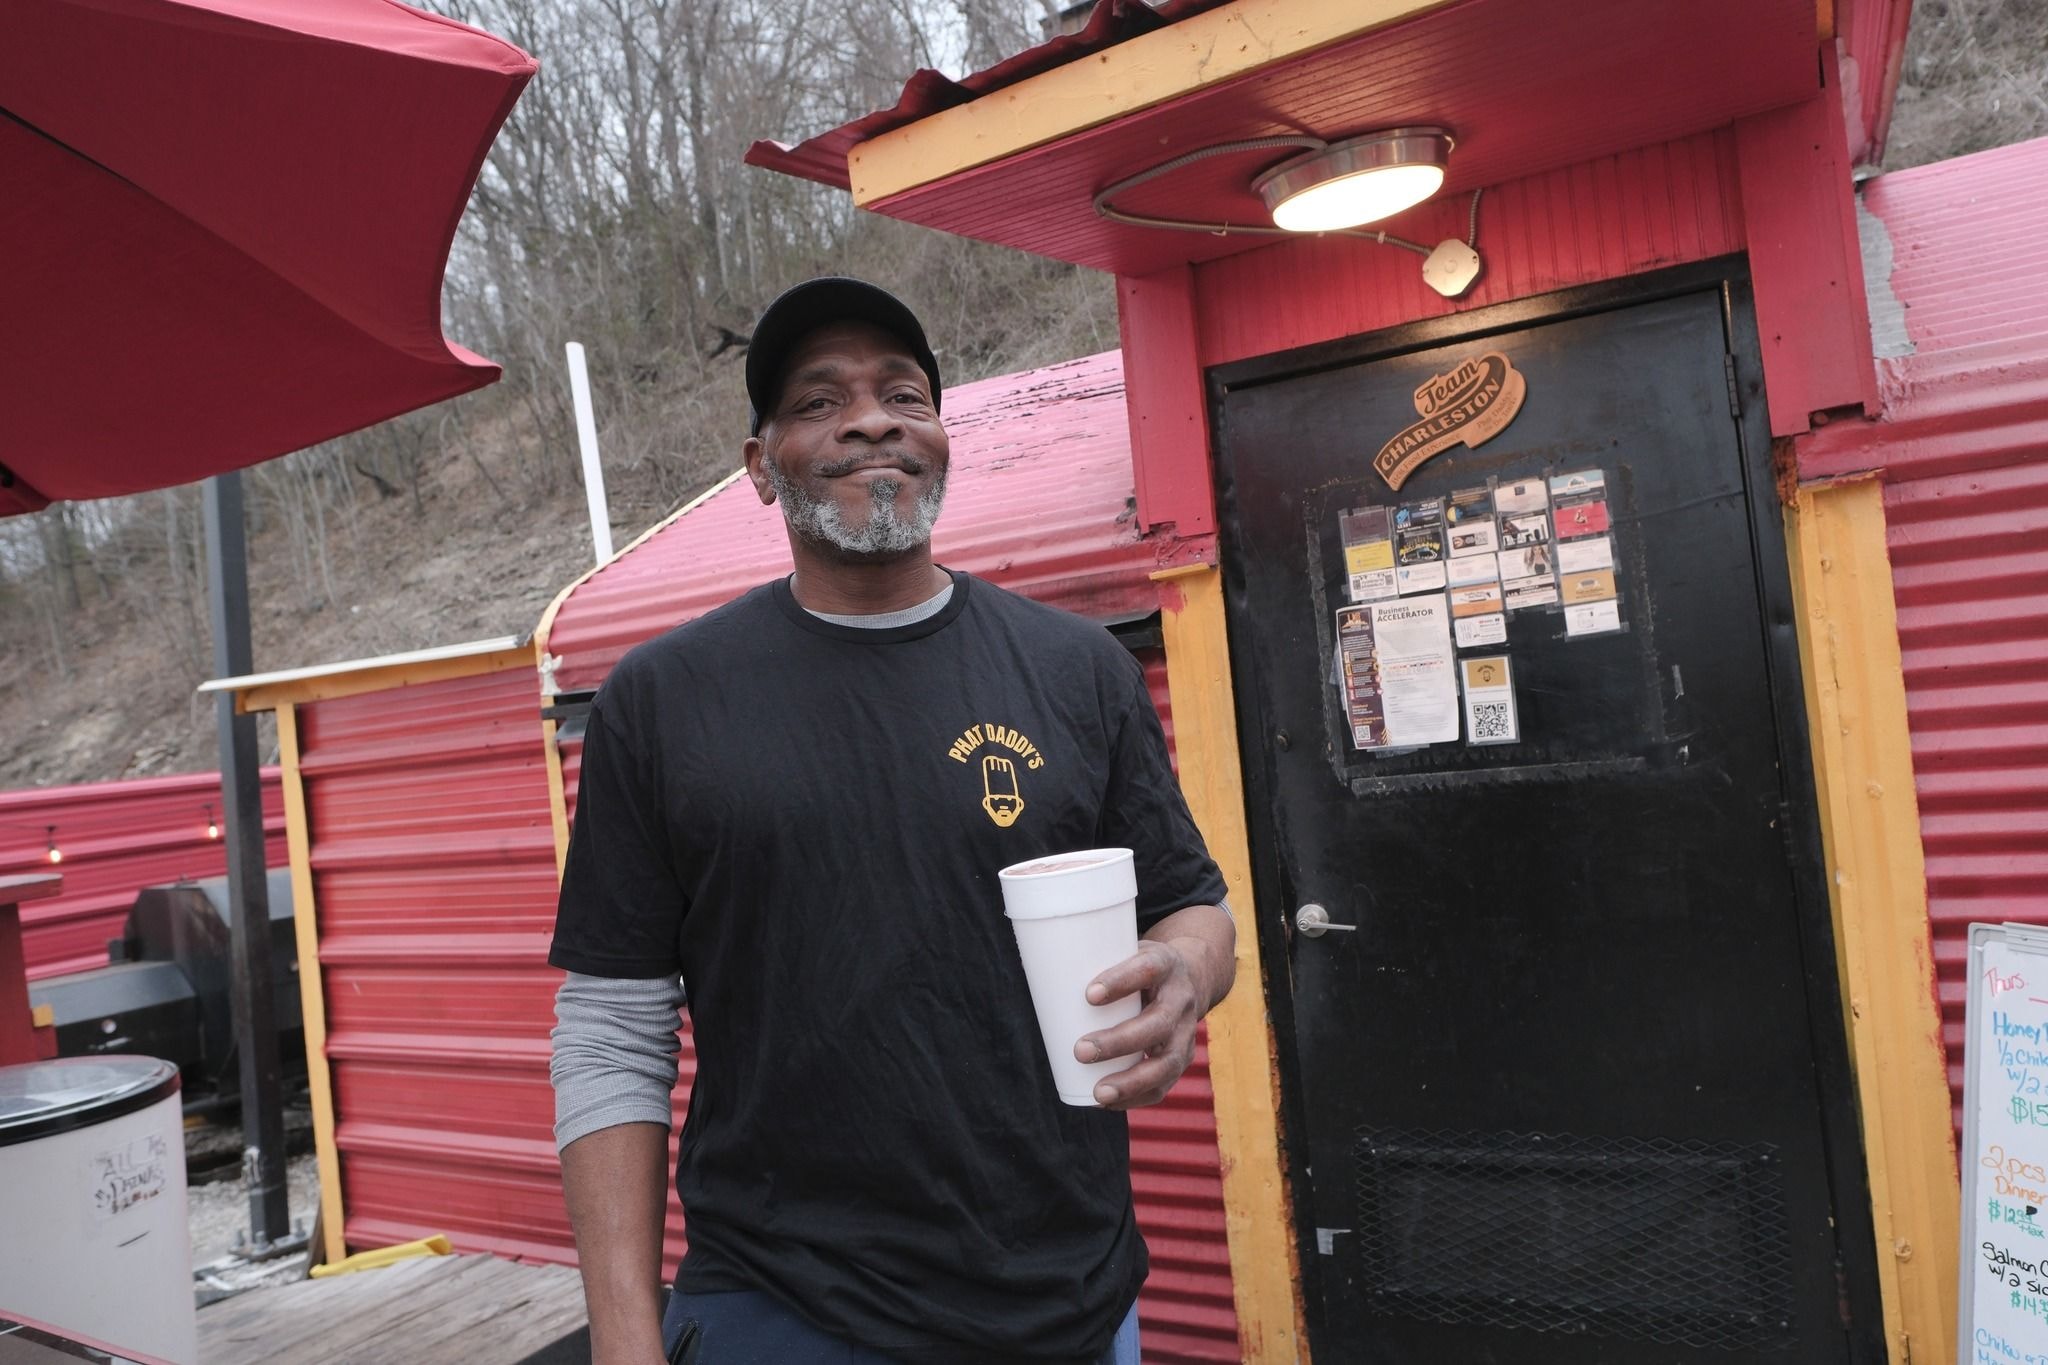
[{"x": 1734, "y": 388}]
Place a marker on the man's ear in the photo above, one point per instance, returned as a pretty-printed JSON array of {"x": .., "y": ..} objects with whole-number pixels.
[{"x": 754, "y": 453}]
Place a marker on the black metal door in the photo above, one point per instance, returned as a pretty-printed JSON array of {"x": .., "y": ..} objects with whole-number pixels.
[{"x": 1565, "y": 1074}]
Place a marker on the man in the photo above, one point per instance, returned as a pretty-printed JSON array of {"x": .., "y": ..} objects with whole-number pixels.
[{"x": 799, "y": 803}]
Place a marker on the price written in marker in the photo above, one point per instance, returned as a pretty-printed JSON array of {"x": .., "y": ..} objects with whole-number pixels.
[{"x": 2005, "y": 1236}]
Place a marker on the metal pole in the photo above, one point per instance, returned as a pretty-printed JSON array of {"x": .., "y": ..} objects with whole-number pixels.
[
  {"x": 586, "y": 438},
  {"x": 241, "y": 790}
]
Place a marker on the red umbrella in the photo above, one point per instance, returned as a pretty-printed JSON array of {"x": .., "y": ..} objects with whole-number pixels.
[{"x": 223, "y": 225}]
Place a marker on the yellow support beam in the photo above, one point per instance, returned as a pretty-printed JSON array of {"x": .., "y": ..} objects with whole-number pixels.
[
  {"x": 312, "y": 992},
  {"x": 1870, "y": 835},
  {"x": 1152, "y": 68},
  {"x": 1258, "y": 1217},
  {"x": 376, "y": 677}
]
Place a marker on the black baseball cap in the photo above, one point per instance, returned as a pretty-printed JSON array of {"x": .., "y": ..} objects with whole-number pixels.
[{"x": 804, "y": 308}]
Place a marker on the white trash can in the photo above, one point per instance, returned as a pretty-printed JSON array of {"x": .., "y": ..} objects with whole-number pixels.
[{"x": 92, "y": 1195}]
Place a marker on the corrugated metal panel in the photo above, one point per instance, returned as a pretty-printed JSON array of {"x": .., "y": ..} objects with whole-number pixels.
[
  {"x": 1873, "y": 42},
  {"x": 116, "y": 837},
  {"x": 1962, "y": 448},
  {"x": 1186, "y": 1309},
  {"x": 434, "y": 879},
  {"x": 1599, "y": 220},
  {"x": 1040, "y": 501},
  {"x": 1970, "y": 569},
  {"x": 1969, "y": 249}
]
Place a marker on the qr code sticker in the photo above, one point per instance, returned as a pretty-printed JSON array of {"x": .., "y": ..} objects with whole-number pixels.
[{"x": 1491, "y": 720}]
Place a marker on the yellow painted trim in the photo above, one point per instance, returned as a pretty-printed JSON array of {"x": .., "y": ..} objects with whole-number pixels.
[
  {"x": 312, "y": 991},
  {"x": 1870, "y": 835},
  {"x": 1150, "y": 69},
  {"x": 1258, "y": 1217},
  {"x": 558, "y": 796},
  {"x": 377, "y": 678}
]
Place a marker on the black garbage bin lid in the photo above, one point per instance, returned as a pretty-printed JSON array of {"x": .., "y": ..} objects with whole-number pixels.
[{"x": 38, "y": 1099}]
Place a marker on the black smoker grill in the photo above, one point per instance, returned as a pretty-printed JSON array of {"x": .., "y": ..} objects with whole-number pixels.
[{"x": 164, "y": 990}]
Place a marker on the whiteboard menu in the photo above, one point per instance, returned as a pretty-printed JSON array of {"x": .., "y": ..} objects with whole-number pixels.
[{"x": 2005, "y": 1148}]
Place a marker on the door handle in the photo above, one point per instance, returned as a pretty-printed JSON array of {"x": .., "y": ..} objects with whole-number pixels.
[{"x": 1314, "y": 921}]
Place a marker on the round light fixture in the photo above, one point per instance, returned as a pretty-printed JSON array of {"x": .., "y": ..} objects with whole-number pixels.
[{"x": 1359, "y": 180}]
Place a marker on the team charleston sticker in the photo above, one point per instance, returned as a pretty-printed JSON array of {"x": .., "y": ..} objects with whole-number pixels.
[{"x": 1471, "y": 403}]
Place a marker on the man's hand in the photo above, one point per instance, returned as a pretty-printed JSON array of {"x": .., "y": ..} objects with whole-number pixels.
[{"x": 1182, "y": 968}]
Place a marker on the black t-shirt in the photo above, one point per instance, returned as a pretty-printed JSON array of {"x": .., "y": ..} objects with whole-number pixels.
[{"x": 806, "y": 820}]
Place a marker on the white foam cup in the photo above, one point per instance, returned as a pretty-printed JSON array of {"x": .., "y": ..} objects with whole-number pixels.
[{"x": 1075, "y": 916}]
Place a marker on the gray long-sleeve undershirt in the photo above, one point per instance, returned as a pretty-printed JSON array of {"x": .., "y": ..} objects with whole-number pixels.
[{"x": 614, "y": 1062}]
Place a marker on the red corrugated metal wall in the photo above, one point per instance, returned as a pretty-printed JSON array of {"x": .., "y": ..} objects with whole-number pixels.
[
  {"x": 1963, "y": 452},
  {"x": 1599, "y": 220},
  {"x": 1187, "y": 1310},
  {"x": 1970, "y": 569},
  {"x": 1176, "y": 1176},
  {"x": 1964, "y": 458},
  {"x": 116, "y": 837},
  {"x": 434, "y": 879}
]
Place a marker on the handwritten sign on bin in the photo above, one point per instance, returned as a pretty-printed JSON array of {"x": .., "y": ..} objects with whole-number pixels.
[{"x": 2005, "y": 1149}]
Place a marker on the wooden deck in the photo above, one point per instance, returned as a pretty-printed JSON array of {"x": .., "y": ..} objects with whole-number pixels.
[{"x": 425, "y": 1311}]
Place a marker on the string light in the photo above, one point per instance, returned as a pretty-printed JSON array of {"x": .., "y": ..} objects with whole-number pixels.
[
  {"x": 51, "y": 852},
  {"x": 212, "y": 825}
]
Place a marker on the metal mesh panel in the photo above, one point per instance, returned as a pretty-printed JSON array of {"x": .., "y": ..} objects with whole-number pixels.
[{"x": 1646, "y": 1239}]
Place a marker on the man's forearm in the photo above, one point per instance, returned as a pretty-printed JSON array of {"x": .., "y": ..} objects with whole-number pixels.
[
  {"x": 1206, "y": 937},
  {"x": 616, "y": 1181}
]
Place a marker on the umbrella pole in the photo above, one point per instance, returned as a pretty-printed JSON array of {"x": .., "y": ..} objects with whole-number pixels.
[{"x": 227, "y": 584}]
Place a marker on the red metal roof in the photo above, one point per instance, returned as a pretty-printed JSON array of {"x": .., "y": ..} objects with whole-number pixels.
[
  {"x": 1527, "y": 89},
  {"x": 1039, "y": 501},
  {"x": 1969, "y": 246},
  {"x": 1962, "y": 447},
  {"x": 117, "y": 838}
]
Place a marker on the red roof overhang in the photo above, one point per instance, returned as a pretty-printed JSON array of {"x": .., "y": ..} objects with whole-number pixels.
[{"x": 1526, "y": 87}]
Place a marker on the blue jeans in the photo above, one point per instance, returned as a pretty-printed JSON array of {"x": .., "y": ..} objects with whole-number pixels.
[{"x": 752, "y": 1328}]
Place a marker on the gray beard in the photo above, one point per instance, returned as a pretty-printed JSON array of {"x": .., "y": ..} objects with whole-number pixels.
[{"x": 889, "y": 529}]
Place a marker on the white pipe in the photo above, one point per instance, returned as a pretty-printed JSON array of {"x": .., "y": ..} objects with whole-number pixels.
[{"x": 586, "y": 436}]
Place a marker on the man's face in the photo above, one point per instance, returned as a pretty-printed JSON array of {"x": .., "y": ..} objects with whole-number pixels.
[{"x": 853, "y": 449}]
